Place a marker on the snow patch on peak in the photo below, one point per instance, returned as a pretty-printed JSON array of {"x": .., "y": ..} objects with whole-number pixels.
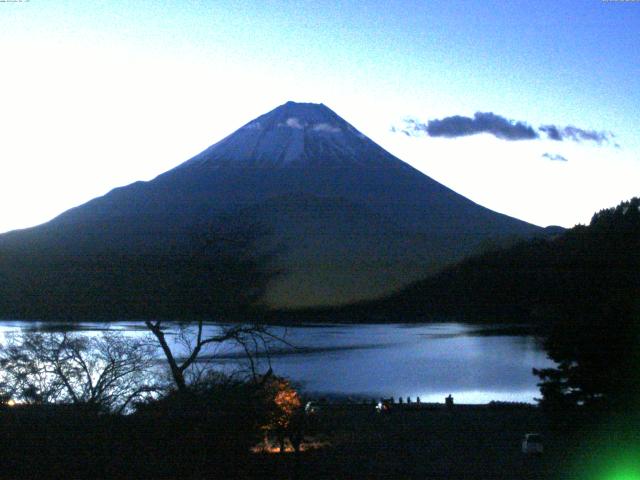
[
  {"x": 253, "y": 126},
  {"x": 294, "y": 122},
  {"x": 326, "y": 127}
]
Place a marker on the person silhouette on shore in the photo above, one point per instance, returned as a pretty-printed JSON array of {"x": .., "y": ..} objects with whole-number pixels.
[{"x": 448, "y": 401}]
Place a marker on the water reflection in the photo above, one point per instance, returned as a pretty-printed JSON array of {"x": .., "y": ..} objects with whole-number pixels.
[{"x": 475, "y": 365}]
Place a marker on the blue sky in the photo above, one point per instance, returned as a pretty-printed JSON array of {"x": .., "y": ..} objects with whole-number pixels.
[{"x": 98, "y": 94}]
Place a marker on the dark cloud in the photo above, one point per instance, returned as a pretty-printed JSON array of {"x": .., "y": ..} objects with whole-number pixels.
[
  {"x": 554, "y": 156},
  {"x": 552, "y": 132},
  {"x": 501, "y": 127},
  {"x": 482, "y": 122},
  {"x": 576, "y": 134}
]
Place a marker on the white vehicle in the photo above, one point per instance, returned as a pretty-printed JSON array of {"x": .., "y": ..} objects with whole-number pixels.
[
  {"x": 532, "y": 443},
  {"x": 311, "y": 408}
]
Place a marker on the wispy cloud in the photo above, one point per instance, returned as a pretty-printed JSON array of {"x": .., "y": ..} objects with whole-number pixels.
[
  {"x": 393, "y": 129},
  {"x": 576, "y": 134},
  {"x": 555, "y": 157}
]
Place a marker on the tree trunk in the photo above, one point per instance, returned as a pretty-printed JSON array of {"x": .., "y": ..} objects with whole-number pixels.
[{"x": 176, "y": 372}]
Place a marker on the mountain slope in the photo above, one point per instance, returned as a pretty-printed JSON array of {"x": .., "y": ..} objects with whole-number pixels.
[{"x": 352, "y": 220}]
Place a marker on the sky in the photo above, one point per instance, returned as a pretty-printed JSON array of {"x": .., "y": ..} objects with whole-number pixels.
[{"x": 529, "y": 108}]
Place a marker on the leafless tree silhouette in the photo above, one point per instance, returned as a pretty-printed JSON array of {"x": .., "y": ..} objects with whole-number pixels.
[{"x": 109, "y": 371}]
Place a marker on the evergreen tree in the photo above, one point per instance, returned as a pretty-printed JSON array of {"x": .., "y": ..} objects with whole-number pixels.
[{"x": 595, "y": 338}]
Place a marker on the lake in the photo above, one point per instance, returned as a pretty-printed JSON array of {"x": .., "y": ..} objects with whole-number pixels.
[{"x": 475, "y": 364}]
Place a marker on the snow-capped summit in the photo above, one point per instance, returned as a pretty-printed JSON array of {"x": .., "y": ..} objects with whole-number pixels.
[{"x": 294, "y": 134}]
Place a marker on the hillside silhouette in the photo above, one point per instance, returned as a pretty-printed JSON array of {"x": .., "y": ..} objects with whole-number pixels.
[{"x": 585, "y": 269}]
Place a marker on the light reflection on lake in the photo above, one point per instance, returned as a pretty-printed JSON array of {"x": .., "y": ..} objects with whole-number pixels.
[{"x": 474, "y": 364}]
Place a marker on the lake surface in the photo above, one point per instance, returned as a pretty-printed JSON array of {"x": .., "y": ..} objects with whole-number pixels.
[{"x": 475, "y": 364}]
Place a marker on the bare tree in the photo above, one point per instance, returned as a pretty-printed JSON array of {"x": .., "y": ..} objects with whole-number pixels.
[
  {"x": 230, "y": 265},
  {"x": 253, "y": 340},
  {"x": 109, "y": 371}
]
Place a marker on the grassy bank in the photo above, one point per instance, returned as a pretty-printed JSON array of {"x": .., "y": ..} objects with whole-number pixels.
[{"x": 410, "y": 442}]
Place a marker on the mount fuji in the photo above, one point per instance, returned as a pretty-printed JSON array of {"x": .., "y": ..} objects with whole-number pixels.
[{"x": 354, "y": 222}]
